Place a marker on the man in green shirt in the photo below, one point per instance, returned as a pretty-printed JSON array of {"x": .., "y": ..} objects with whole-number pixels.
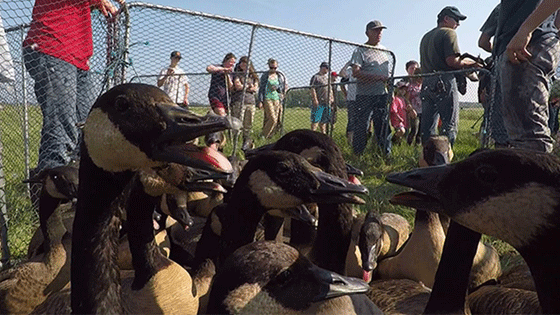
[{"x": 439, "y": 52}]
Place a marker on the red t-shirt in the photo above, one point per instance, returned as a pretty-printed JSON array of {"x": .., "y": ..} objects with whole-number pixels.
[{"x": 62, "y": 29}]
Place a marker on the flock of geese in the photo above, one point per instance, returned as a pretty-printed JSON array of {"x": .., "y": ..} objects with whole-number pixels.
[{"x": 149, "y": 223}]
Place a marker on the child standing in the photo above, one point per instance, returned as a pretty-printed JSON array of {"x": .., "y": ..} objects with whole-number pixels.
[{"x": 398, "y": 112}]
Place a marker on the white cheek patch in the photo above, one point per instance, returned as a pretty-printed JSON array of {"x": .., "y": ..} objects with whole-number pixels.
[
  {"x": 515, "y": 217},
  {"x": 270, "y": 195},
  {"x": 109, "y": 149}
]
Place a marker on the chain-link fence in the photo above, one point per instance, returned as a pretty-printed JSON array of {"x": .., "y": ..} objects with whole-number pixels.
[{"x": 138, "y": 47}]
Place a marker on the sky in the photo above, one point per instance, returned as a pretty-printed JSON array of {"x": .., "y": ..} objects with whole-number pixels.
[{"x": 406, "y": 20}]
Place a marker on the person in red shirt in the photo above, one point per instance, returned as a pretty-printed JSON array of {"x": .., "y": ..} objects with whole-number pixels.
[
  {"x": 398, "y": 112},
  {"x": 56, "y": 54}
]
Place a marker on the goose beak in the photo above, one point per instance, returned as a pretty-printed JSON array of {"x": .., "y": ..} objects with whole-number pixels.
[
  {"x": 351, "y": 170},
  {"x": 183, "y": 125},
  {"x": 333, "y": 189},
  {"x": 334, "y": 285},
  {"x": 425, "y": 181},
  {"x": 300, "y": 213},
  {"x": 209, "y": 186},
  {"x": 255, "y": 151}
]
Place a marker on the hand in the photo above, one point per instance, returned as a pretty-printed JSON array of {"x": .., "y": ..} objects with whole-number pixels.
[
  {"x": 228, "y": 70},
  {"x": 259, "y": 105},
  {"x": 186, "y": 102},
  {"x": 516, "y": 50},
  {"x": 220, "y": 111},
  {"x": 106, "y": 7}
]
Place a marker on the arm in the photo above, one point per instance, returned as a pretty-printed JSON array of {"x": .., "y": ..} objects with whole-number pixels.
[
  {"x": 517, "y": 48},
  {"x": 218, "y": 69},
  {"x": 186, "y": 100},
  {"x": 364, "y": 76},
  {"x": 314, "y": 99},
  {"x": 163, "y": 77},
  {"x": 484, "y": 42},
  {"x": 455, "y": 62},
  {"x": 255, "y": 86},
  {"x": 237, "y": 85},
  {"x": 262, "y": 90}
]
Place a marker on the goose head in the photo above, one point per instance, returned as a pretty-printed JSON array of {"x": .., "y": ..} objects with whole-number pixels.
[
  {"x": 271, "y": 277},
  {"x": 134, "y": 126}
]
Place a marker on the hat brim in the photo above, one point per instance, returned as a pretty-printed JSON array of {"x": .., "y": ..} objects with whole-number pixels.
[{"x": 376, "y": 27}]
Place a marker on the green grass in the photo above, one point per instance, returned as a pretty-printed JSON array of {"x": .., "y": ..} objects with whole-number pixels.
[{"x": 23, "y": 219}]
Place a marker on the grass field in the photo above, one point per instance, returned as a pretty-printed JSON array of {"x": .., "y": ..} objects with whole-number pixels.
[{"x": 23, "y": 219}]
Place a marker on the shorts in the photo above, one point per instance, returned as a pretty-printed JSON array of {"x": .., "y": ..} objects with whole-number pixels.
[{"x": 321, "y": 113}]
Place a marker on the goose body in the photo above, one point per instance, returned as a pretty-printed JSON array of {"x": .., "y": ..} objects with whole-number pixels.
[
  {"x": 47, "y": 270},
  {"x": 130, "y": 127}
]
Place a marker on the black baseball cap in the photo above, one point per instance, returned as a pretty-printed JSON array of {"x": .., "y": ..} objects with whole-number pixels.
[
  {"x": 452, "y": 12},
  {"x": 176, "y": 54},
  {"x": 324, "y": 64}
]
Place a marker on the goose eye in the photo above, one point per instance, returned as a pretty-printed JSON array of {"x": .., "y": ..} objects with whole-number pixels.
[
  {"x": 486, "y": 174},
  {"x": 283, "y": 168},
  {"x": 283, "y": 278},
  {"x": 121, "y": 104}
]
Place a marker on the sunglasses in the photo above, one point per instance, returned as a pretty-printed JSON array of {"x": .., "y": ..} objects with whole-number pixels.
[{"x": 272, "y": 68}]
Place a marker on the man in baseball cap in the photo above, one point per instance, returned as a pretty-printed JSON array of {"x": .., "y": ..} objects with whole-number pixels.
[
  {"x": 370, "y": 67},
  {"x": 439, "y": 52}
]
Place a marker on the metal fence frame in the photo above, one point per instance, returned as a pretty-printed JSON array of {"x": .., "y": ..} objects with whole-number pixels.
[{"x": 116, "y": 63}]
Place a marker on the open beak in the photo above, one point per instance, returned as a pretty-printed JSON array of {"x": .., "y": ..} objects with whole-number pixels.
[
  {"x": 425, "y": 182},
  {"x": 182, "y": 126},
  {"x": 333, "y": 189}
]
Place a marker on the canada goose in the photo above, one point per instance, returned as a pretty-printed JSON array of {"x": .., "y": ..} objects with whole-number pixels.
[
  {"x": 142, "y": 291},
  {"x": 509, "y": 194},
  {"x": 332, "y": 238},
  {"x": 274, "y": 278},
  {"x": 159, "y": 284},
  {"x": 27, "y": 285},
  {"x": 130, "y": 127},
  {"x": 164, "y": 184},
  {"x": 374, "y": 237},
  {"x": 497, "y": 299},
  {"x": 419, "y": 258},
  {"x": 273, "y": 180},
  {"x": 399, "y": 296},
  {"x": 59, "y": 186},
  {"x": 518, "y": 277}
]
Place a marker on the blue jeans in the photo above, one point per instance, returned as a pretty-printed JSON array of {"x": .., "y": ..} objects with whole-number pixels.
[
  {"x": 525, "y": 95},
  {"x": 351, "y": 108},
  {"x": 65, "y": 94},
  {"x": 372, "y": 107},
  {"x": 439, "y": 96}
]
